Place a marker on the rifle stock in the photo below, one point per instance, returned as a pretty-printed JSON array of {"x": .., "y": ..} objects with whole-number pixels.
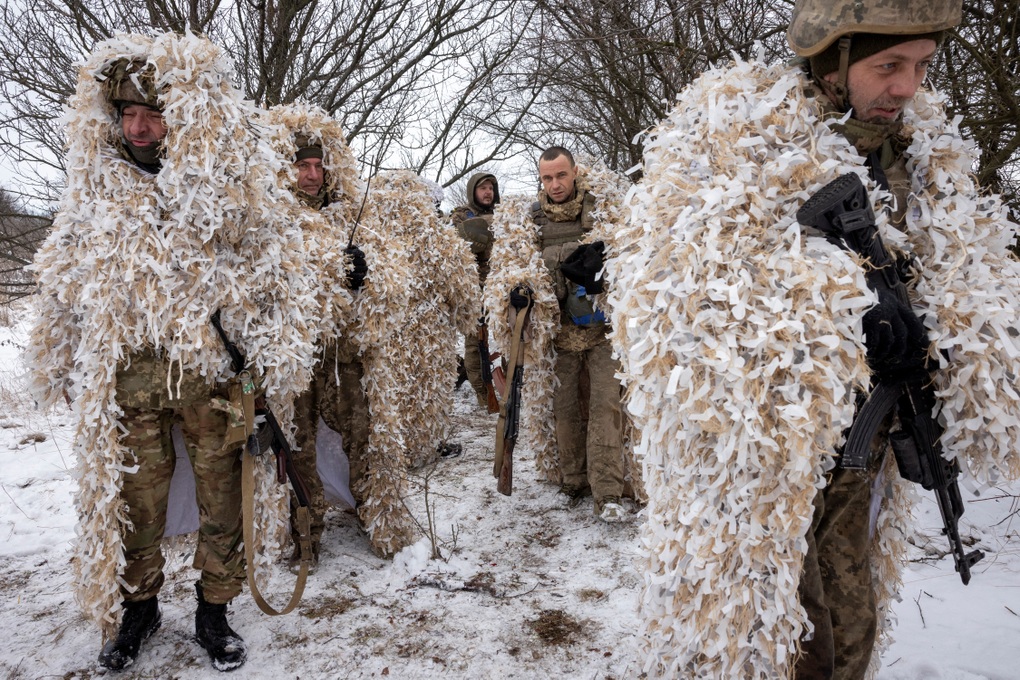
[
  {"x": 492, "y": 402},
  {"x": 842, "y": 212}
]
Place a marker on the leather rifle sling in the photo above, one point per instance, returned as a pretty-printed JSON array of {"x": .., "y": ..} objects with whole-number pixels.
[
  {"x": 515, "y": 348},
  {"x": 248, "y": 524}
]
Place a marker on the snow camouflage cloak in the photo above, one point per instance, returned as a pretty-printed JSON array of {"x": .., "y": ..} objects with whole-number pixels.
[
  {"x": 742, "y": 347},
  {"x": 421, "y": 289},
  {"x": 517, "y": 260},
  {"x": 140, "y": 262},
  {"x": 325, "y": 232}
]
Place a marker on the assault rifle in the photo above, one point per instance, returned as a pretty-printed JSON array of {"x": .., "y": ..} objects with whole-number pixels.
[
  {"x": 487, "y": 376},
  {"x": 278, "y": 442},
  {"x": 842, "y": 212},
  {"x": 507, "y": 426}
]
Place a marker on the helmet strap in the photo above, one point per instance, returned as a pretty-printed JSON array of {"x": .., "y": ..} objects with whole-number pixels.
[{"x": 837, "y": 92}]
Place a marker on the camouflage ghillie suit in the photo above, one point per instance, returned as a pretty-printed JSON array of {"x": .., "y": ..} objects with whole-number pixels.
[
  {"x": 570, "y": 371},
  {"x": 140, "y": 257},
  {"x": 326, "y": 220},
  {"x": 740, "y": 335},
  {"x": 586, "y": 400}
]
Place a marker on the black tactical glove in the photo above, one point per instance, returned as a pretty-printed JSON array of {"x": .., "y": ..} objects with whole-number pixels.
[
  {"x": 896, "y": 340},
  {"x": 359, "y": 268},
  {"x": 584, "y": 264},
  {"x": 517, "y": 300},
  {"x": 263, "y": 440}
]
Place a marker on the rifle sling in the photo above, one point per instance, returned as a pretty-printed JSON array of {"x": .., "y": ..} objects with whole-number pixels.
[
  {"x": 248, "y": 490},
  {"x": 515, "y": 350},
  {"x": 248, "y": 522}
]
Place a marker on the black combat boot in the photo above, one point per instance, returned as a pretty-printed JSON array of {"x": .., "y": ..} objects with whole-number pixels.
[
  {"x": 225, "y": 647},
  {"x": 140, "y": 620}
]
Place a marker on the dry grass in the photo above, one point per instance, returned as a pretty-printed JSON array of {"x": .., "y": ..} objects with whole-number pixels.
[{"x": 555, "y": 627}]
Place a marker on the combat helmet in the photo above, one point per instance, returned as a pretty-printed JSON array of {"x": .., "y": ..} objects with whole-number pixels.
[
  {"x": 130, "y": 81},
  {"x": 816, "y": 24}
]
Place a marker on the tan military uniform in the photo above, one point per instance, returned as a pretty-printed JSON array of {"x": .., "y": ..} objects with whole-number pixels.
[
  {"x": 474, "y": 225},
  {"x": 149, "y": 414},
  {"x": 586, "y": 401}
]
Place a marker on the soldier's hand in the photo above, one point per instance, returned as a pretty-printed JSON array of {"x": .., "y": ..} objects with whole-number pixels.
[
  {"x": 896, "y": 340},
  {"x": 518, "y": 300},
  {"x": 359, "y": 268},
  {"x": 584, "y": 264},
  {"x": 476, "y": 230}
]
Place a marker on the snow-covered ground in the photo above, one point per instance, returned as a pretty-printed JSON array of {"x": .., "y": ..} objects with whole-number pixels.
[{"x": 526, "y": 588}]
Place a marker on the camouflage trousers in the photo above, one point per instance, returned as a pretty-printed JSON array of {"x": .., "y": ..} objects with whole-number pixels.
[
  {"x": 338, "y": 396},
  {"x": 589, "y": 422},
  {"x": 219, "y": 553},
  {"x": 473, "y": 368},
  {"x": 835, "y": 588}
]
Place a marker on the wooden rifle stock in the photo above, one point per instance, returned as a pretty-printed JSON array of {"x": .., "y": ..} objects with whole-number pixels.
[
  {"x": 510, "y": 409},
  {"x": 492, "y": 402}
]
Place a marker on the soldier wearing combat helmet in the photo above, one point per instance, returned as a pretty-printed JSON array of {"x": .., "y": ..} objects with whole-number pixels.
[
  {"x": 869, "y": 59},
  {"x": 130, "y": 89},
  {"x": 127, "y": 279},
  {"x": 770, "y": 549}
]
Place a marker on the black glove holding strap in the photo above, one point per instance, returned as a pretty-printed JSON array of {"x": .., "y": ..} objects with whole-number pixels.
[
  {"x": 584, "y": 264},
  {"x": 359, "y": 268},
  {"x": 517, "y": 300},
  {"x": 896, "y": 340}
]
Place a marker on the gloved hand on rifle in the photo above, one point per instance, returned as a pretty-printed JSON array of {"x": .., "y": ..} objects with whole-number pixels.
[
  {"x": 896, "y": 340},
  {"x": 518, "y": 300},
  {"x": 359, "y": 268},
  {"x": 584, "y": 264}
]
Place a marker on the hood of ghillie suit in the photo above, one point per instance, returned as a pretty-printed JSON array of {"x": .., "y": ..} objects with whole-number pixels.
[
  {"x": 139, "y": 262},
  {"x": 421, "y": 289},
  {"x": 326, "y": 231},
  {"x": 517, "y": 261},
  {"x": 742, "y": 349}
]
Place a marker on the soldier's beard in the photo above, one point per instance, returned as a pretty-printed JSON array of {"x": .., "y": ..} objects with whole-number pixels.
[{"x": 882, "y": 102}]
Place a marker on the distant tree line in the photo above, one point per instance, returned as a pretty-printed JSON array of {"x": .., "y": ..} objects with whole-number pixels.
[{"x": 448, "y": 87}]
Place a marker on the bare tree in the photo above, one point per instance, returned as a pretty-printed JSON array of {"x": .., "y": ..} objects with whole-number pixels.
[
  {"x": 402, "y": 75},
  {"x": 21, "y": 232},
  {"x": 978, "y": 71},
  {"x": 602, "y": 71}
]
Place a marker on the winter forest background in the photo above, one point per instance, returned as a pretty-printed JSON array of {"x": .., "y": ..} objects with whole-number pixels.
[
  {"x": 450, "y": 87},
  {"x": 447, "y": 88}
]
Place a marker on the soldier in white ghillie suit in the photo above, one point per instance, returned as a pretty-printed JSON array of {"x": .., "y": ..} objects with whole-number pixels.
[
  {"x": 747, "y": 338},
  {"x": 413, "y": 304},
  {"x": 555, "y": 247},
  {"x": 325, "y": 180},
  {"x": 171, "y": 214}
]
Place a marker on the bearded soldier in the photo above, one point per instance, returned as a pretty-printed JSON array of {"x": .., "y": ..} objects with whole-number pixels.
[
  {"x": 748, "y": 341},
  {"x": 474, "y": 224},
  {"x": 573, "y": 396},
  {"x": 168, "y": 219},
  {"x": 325, "y": 181}
]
